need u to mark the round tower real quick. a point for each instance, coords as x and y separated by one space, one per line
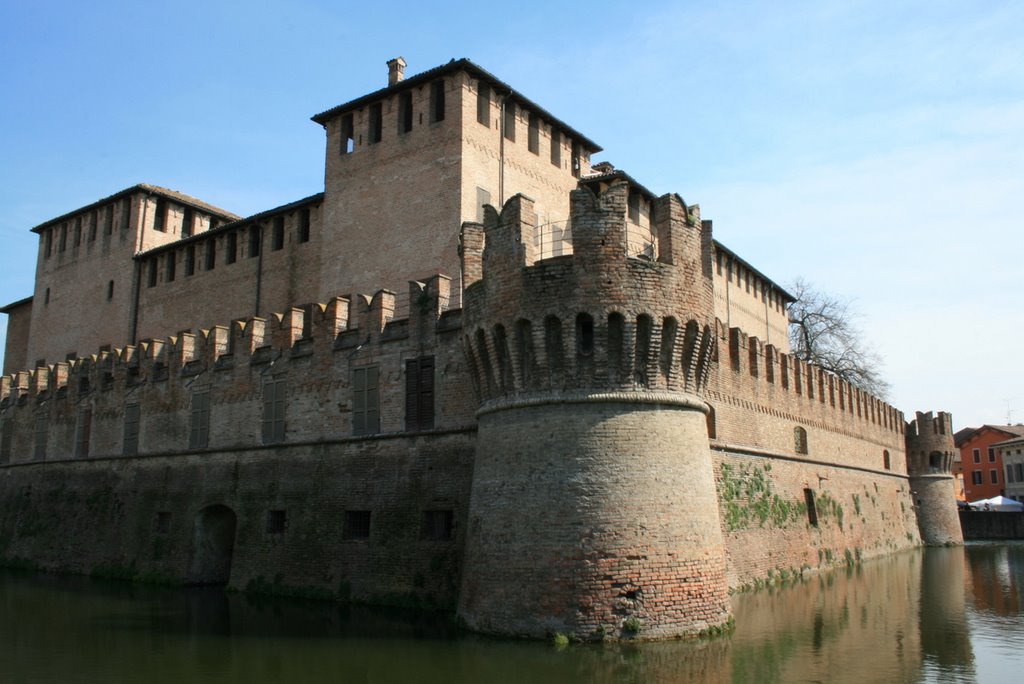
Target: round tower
930 452
593 509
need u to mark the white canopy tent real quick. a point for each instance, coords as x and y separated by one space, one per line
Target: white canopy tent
997 503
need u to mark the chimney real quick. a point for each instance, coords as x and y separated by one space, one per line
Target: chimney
396 70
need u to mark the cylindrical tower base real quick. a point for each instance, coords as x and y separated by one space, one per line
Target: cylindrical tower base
595 516
937 517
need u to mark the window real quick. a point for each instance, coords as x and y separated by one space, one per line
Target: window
437 525
110 290
437 101
304 225
49 243
405 112
278 239
885 460
356 525
633 205
277 522
800 440
126 213
78 231
83 432
231 253
108 219
1009 473
533 134
199 423
93 222
46 297
152 272
42 431
812 509
160 216
556 147
991 455
6 440
419 394
977 455
365 401
255 238
710 420
211 253
214 223
994 476
131 430
273 410
162 522
376 123
1019 471
935 462
483 104
63 244
348 139
170 266
577 167
482 197
977 477
508 125
190 260
186 222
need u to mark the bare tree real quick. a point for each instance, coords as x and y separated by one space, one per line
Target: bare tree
823 330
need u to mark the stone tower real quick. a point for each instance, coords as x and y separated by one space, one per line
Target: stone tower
930 451
593 508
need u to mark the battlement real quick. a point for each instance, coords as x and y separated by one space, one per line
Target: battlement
930 444
315 349
597 317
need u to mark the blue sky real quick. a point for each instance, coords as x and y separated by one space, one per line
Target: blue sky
875 149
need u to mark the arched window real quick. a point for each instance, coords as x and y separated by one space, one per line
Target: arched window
799 440
712 428
885 460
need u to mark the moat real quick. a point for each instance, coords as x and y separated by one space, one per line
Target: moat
937 615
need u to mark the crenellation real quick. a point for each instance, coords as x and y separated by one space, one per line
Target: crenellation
599 353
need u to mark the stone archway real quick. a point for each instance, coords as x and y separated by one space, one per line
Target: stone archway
213 544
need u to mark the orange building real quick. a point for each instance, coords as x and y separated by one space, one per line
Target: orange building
982 465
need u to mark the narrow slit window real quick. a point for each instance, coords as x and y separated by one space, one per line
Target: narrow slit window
304 221
556 147
405 112
533 134
255 241
211 254
509 122
278 242
812 509
483 104
231 252
376 123
170 266
437 101
190 260
130 442
273 410
42 431
348 136
199 422
152 267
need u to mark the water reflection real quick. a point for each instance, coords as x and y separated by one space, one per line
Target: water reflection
940 615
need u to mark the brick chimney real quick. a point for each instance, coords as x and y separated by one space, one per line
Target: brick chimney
396 70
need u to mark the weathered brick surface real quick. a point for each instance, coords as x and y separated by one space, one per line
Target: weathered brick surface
645 442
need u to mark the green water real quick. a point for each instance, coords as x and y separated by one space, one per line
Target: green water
941 615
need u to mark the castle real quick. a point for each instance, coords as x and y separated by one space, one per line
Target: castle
474 373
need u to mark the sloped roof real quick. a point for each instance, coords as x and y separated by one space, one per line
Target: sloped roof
224 228
961 437
179 197
453 66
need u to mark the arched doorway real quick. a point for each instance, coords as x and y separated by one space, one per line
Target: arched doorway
213 542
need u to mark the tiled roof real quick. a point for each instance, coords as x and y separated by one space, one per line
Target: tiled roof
452 67
151 189
312 199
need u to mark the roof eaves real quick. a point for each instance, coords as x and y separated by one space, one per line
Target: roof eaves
141 187
452 66
14 305
234 225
